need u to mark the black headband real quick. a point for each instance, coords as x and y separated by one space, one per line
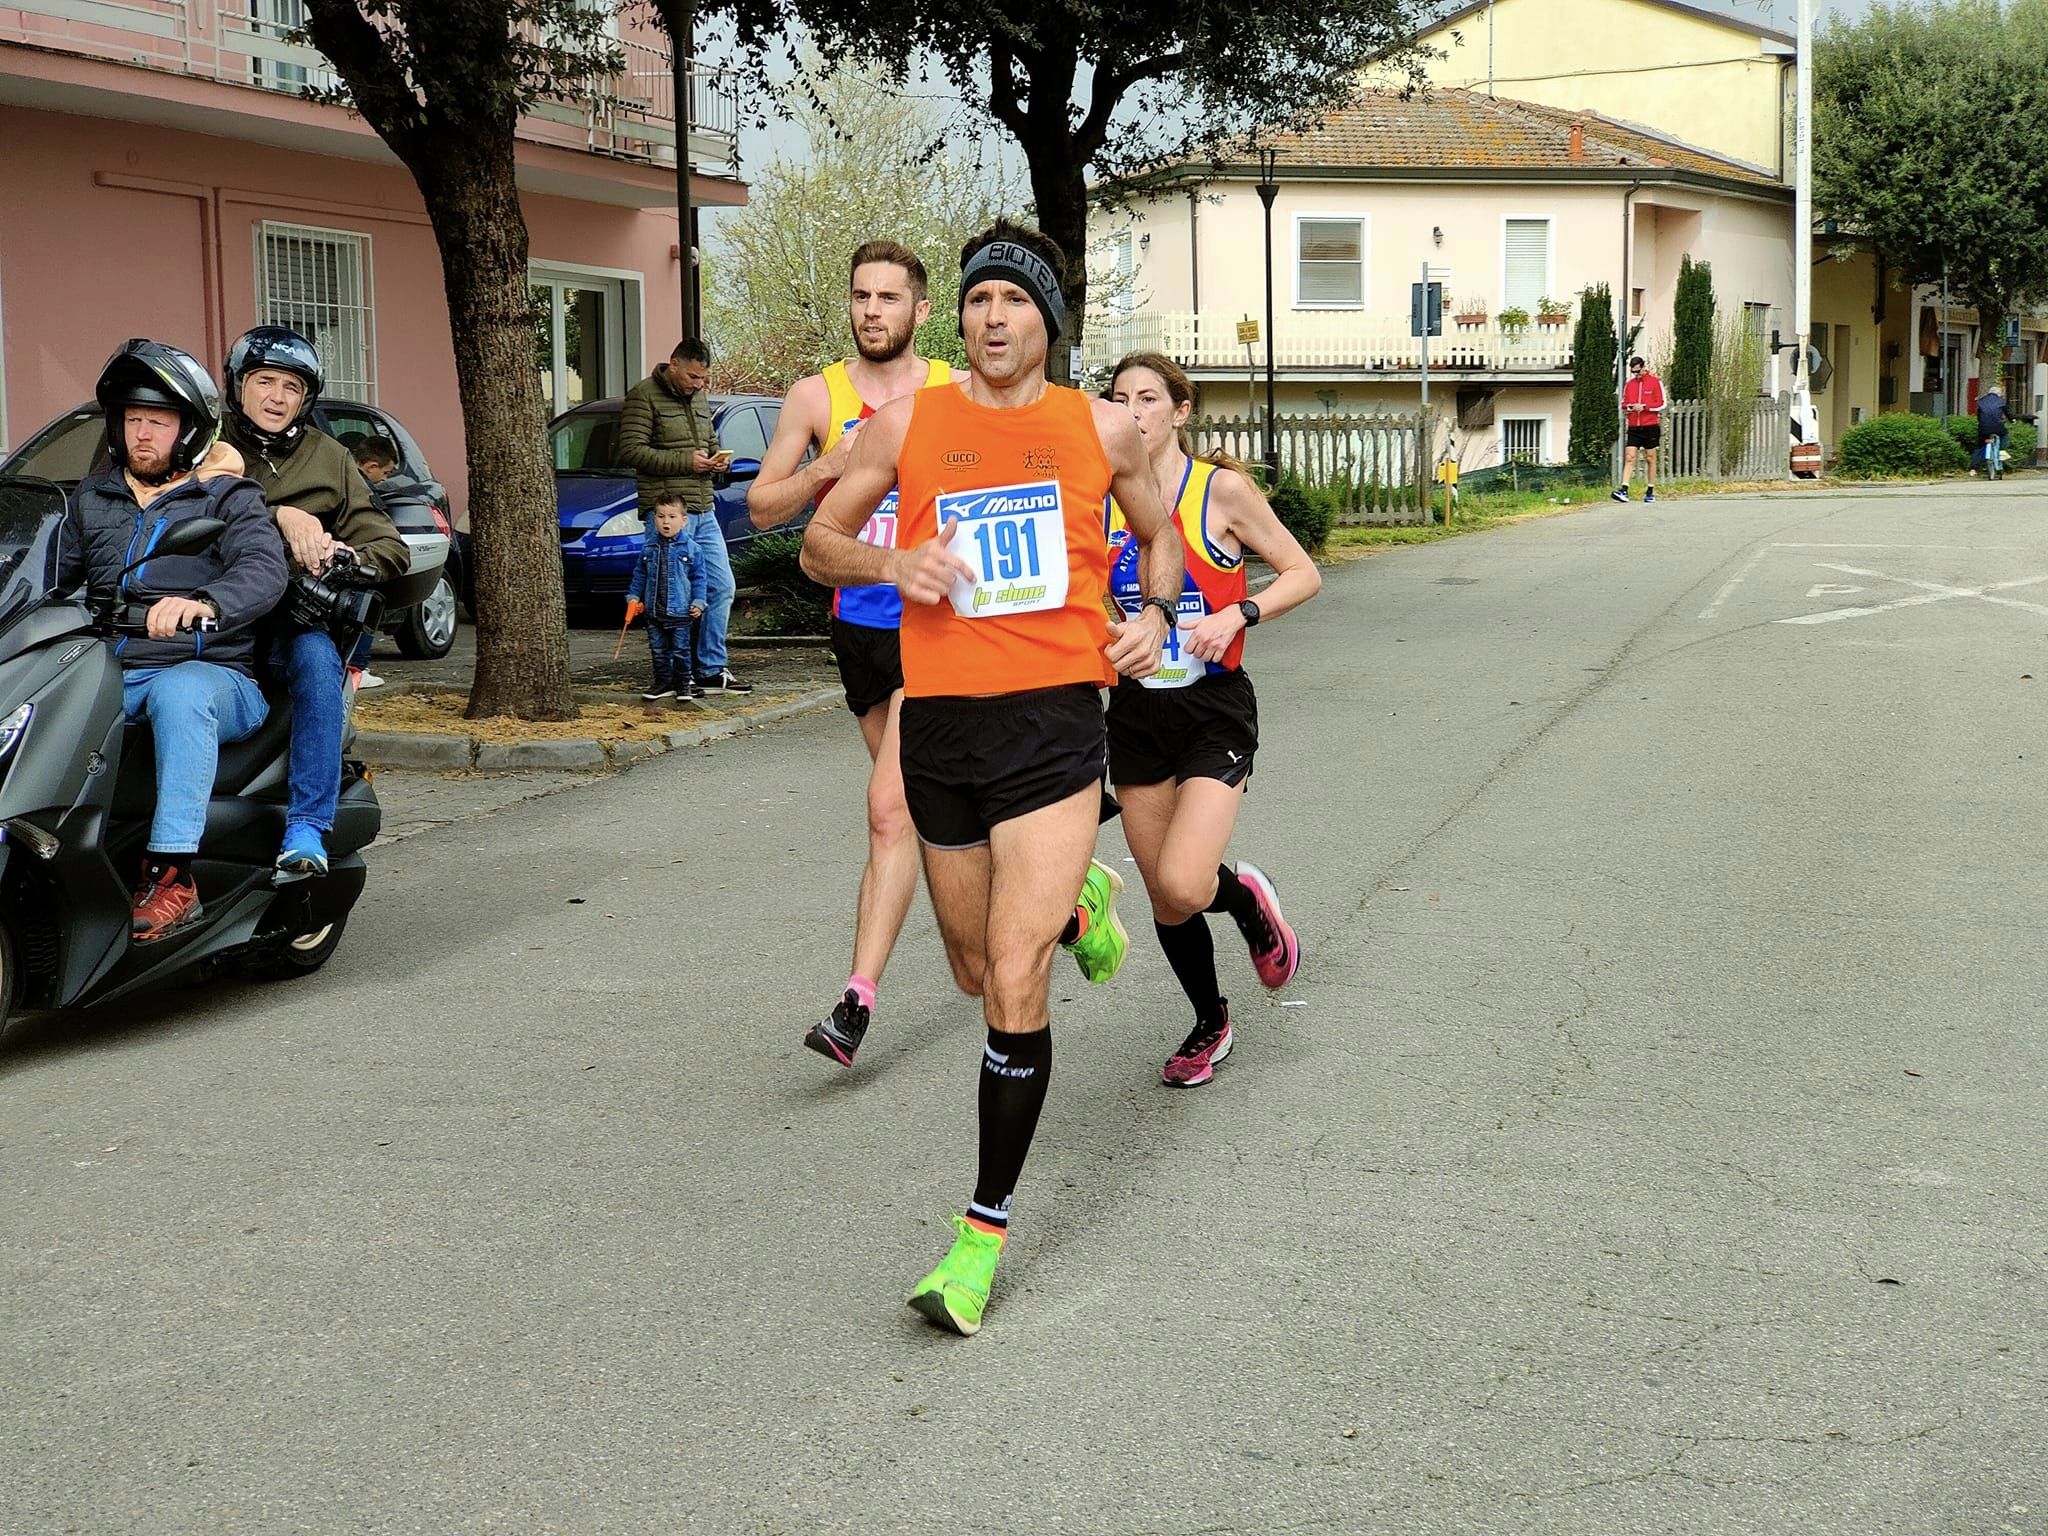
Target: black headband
1008 261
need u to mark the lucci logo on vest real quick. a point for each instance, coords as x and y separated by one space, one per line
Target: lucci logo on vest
960 458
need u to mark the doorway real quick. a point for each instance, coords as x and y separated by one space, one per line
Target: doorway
581 333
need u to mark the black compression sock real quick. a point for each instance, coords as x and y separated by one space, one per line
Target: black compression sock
1235 897
1014 1073
1192 954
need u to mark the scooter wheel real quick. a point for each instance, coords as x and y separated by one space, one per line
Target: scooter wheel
10 982
303 954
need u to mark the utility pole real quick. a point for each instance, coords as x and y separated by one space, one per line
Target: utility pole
1268 190
1805 418
679 20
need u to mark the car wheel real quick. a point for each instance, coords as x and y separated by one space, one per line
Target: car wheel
10 983
428 632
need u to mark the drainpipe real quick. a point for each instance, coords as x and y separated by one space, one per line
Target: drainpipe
1195 264
1621 331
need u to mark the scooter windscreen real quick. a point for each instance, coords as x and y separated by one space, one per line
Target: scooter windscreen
31 527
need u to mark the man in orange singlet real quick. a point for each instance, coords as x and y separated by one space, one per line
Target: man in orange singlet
1002 567
886 304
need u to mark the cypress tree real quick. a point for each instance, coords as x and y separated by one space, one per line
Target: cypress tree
1596 422
1692 315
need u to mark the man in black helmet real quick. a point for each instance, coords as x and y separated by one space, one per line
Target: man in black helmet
197 690
321 502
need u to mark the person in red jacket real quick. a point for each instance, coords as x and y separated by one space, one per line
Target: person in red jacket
1642 410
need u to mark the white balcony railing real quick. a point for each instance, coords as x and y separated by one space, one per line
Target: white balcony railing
248 42
1328 340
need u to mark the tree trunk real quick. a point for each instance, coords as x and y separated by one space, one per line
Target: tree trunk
522 646
1059 187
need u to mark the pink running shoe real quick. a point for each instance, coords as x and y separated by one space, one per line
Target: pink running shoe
1274 951
1195 1062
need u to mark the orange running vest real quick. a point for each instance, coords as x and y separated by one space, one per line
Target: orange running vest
1023 490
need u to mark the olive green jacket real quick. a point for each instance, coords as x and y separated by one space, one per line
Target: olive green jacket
319 476
658 430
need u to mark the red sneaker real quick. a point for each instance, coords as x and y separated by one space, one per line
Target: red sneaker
1195 1062
166 901
1275 954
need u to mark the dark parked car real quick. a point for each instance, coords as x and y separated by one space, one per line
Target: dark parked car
600 512
74 445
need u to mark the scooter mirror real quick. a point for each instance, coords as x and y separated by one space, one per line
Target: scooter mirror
183 538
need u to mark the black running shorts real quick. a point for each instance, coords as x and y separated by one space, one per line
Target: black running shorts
971 763
870 663
1644 437
1207 730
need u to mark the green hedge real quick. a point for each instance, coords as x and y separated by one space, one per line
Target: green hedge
2020 441
1899 444
1308 512
786 601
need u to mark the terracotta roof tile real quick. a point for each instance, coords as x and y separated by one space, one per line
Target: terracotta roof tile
1453 128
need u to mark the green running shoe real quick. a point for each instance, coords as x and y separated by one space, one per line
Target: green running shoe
1100 951
953 1295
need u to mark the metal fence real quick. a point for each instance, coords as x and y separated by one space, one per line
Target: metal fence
1749 440
1376 464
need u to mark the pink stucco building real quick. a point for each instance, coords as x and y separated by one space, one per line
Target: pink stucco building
162 174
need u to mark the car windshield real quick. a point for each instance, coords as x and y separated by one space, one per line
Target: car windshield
586 443
31 523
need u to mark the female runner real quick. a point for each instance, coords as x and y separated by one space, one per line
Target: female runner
1181 742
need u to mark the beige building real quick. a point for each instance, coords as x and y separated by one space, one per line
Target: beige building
1514 207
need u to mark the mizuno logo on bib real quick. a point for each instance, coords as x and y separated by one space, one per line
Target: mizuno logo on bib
1015 539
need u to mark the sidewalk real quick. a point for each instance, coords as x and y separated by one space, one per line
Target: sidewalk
414 721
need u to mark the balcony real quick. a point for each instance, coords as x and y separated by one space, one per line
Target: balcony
630 117
1336 345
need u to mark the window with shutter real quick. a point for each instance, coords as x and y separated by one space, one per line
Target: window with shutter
1330 262
1526 270
317 281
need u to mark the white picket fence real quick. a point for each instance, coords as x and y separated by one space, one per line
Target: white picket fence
1375 463
1330 339
1754 443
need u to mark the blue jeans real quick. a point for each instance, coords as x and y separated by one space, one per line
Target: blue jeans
707 543
192 708
311 666
668 642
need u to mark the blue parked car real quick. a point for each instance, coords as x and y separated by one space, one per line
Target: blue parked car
600 510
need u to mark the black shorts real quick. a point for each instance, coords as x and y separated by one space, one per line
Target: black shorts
970 763
870 663
1645 437
1208 730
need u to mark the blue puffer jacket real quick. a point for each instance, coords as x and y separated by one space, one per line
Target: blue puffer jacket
242 572
667 579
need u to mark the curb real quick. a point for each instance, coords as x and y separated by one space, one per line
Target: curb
442 753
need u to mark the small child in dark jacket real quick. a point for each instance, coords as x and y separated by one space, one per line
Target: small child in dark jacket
673 588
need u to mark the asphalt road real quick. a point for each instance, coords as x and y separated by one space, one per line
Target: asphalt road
1656 1144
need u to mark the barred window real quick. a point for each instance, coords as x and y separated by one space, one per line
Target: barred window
317 281
1521 439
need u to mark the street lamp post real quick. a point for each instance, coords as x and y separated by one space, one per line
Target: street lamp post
1268 190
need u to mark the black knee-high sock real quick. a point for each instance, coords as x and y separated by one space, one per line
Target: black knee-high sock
1014 1072
1235 897
1192 954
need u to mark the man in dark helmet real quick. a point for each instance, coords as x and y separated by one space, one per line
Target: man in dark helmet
197 690
321 502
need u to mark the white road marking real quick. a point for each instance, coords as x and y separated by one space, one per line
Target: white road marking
1728 591
1831 589
1929 592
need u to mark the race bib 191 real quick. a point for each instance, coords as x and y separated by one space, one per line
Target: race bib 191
1014 537
1178 666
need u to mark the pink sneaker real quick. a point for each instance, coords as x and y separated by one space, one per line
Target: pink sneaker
1274 953
1195 1062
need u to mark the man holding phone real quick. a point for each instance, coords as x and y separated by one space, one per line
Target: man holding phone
667 438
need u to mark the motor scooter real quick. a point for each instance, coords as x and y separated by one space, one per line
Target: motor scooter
78 785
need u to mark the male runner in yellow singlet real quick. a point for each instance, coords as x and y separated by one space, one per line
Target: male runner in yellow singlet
1003 569
886 304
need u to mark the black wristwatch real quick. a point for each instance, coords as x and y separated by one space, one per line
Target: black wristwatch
1163 606
1250 610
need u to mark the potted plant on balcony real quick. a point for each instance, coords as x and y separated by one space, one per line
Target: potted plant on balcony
1469 312
1553 311
1513 321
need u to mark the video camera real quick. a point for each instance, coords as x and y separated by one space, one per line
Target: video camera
338 600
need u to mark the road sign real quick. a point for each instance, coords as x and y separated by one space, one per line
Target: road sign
1430 323
1247 332
2012 330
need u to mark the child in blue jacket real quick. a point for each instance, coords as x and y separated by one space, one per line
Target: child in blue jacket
673 588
